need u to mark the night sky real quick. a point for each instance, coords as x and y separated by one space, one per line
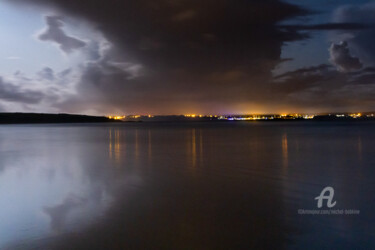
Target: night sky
187 56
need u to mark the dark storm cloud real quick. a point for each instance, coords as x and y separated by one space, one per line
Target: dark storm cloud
175 56
323 75
188 33
304 79
13 93
325 26
324 88
209 56
350 84
340 57
360 41
55 33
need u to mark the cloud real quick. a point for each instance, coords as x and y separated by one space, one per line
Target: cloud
65 73
41 92
56 34
13 58
360 41
91 84
47 74
326 26
14 93
184 15
165 56
341 58
209 57
322 88
131 70
59 214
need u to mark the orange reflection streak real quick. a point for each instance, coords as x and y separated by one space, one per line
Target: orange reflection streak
110 144
117 145
285 151
194 148
200 148
136 147
359 148
149 145
114 145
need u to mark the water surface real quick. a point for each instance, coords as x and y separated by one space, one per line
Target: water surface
185 185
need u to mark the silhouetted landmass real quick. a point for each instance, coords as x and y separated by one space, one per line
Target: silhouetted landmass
19 118
244 118
173 118
346 118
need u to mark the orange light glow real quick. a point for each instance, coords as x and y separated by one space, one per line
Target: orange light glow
116 117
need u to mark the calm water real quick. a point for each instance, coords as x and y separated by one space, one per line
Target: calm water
185 186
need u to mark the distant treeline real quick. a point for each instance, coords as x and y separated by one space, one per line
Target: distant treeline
346 118
182 118
12 118
19 118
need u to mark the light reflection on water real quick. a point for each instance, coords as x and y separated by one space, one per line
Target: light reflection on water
198 185
285 151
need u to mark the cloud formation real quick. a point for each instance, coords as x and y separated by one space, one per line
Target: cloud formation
325 89
341 58
47 73
59 213
55 33
166 57
41 92
173 57
13 93
360 41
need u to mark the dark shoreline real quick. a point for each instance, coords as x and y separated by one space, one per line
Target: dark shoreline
37 118
42 118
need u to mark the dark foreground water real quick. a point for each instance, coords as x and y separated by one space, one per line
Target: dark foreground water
186 186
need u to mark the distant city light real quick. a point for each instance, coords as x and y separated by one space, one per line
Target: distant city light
117 117
249 117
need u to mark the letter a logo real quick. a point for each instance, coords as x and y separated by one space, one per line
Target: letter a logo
328 197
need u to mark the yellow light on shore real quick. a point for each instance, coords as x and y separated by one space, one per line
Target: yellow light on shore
191 115
116 117
355 115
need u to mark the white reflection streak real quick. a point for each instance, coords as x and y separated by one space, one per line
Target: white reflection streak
359 148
